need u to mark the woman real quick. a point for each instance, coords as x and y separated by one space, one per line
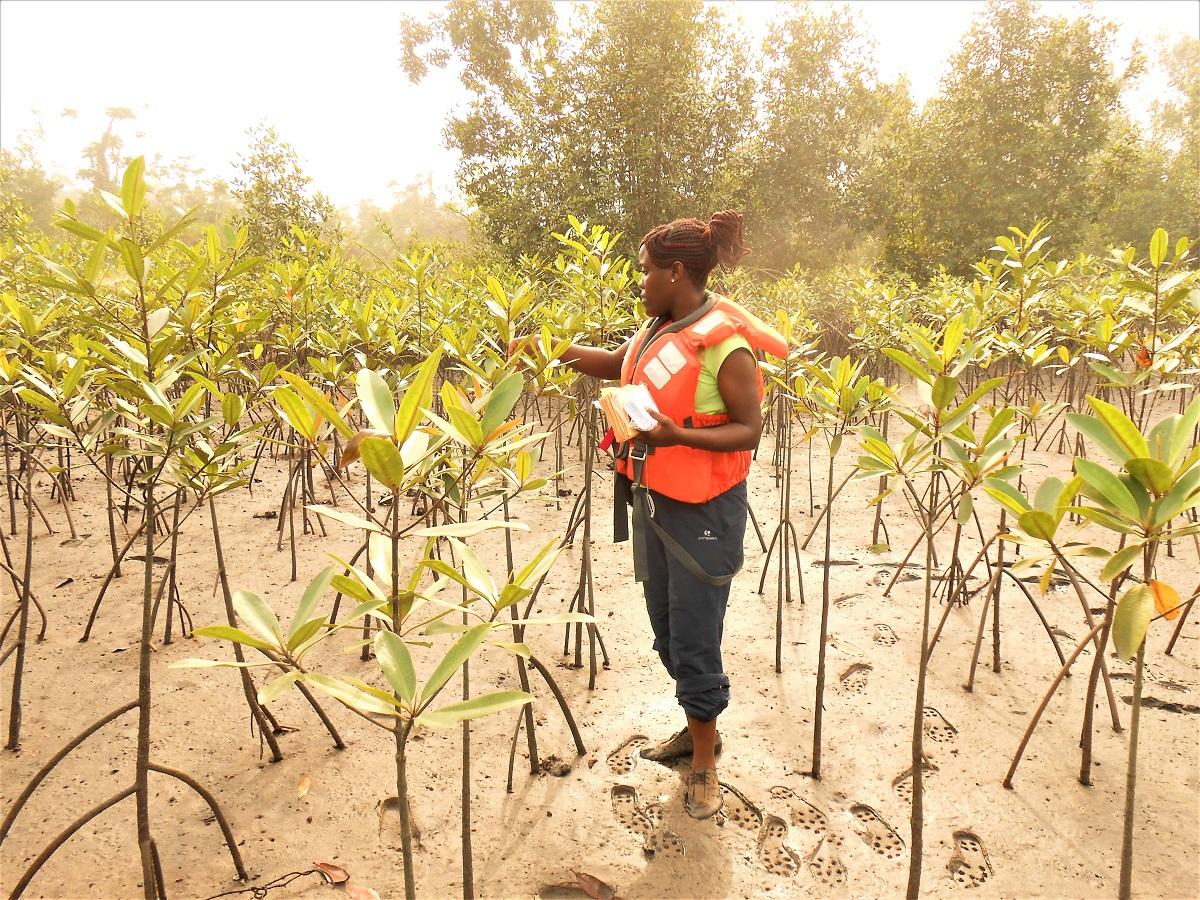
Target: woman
696 356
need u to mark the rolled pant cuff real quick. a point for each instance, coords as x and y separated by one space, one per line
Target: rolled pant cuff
703 697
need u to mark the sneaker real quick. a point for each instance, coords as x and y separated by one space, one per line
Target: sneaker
674 747
703 794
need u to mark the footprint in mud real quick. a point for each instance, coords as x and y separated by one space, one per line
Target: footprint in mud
630 814
775 855
825 863
802 813
876 833
936 726
662 841
969 865
738 809
854 679
622 760
884 634
902 784
843 646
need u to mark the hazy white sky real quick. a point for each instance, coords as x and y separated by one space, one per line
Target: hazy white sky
326 75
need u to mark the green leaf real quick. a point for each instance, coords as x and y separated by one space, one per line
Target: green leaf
1131 619
1038 524
1120 561
1047 495
483 705
232 408
1182 438
476 573
1007 495
944 389
294 412
521 650
312 596
192 663
1121 427
273 689
375 397
467 529
349 695
500 402
229 633
133 187
1158 247
318 402
131 257
905 361
1094 430
397 664
1109 486
255 612
966 506
352 587
305 632
416 397
1154 475
1181 497
81 229
458 654
382 460
346 518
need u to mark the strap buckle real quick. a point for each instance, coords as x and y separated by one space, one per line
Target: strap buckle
637 451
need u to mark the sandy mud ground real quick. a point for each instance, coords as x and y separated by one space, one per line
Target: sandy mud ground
782 833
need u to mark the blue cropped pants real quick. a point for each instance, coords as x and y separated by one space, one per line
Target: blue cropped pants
687 614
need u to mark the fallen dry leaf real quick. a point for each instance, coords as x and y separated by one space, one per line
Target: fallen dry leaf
334 873
357 892
1166 599
302 786
594 886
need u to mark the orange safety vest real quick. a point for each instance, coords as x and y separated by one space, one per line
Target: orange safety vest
667 362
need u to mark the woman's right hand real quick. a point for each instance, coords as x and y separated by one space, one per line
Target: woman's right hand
519 345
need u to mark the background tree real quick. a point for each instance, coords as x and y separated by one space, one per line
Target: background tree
1177 128
104 158
415 216
628 116
25 184
1028 100
821 110
274 193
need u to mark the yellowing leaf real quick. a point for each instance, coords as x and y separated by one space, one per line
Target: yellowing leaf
1131 620
1166 599
302 786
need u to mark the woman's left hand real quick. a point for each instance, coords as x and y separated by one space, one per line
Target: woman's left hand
665 434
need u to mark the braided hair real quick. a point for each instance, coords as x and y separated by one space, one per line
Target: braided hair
699 247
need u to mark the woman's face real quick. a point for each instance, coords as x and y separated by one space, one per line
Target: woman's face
656 285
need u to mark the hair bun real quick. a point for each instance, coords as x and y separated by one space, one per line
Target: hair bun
724 230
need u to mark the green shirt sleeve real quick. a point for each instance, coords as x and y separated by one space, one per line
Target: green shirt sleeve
708 397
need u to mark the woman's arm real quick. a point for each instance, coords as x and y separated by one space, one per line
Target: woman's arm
593 361
737 382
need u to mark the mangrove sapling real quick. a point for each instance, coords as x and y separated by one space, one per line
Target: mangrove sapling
407 703
784 535
159 431
840 397
14 713
461 452
943 358
1159 484
971 459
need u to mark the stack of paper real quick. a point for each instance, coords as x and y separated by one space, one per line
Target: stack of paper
627 409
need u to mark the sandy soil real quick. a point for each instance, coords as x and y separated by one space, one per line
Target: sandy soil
1048 837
